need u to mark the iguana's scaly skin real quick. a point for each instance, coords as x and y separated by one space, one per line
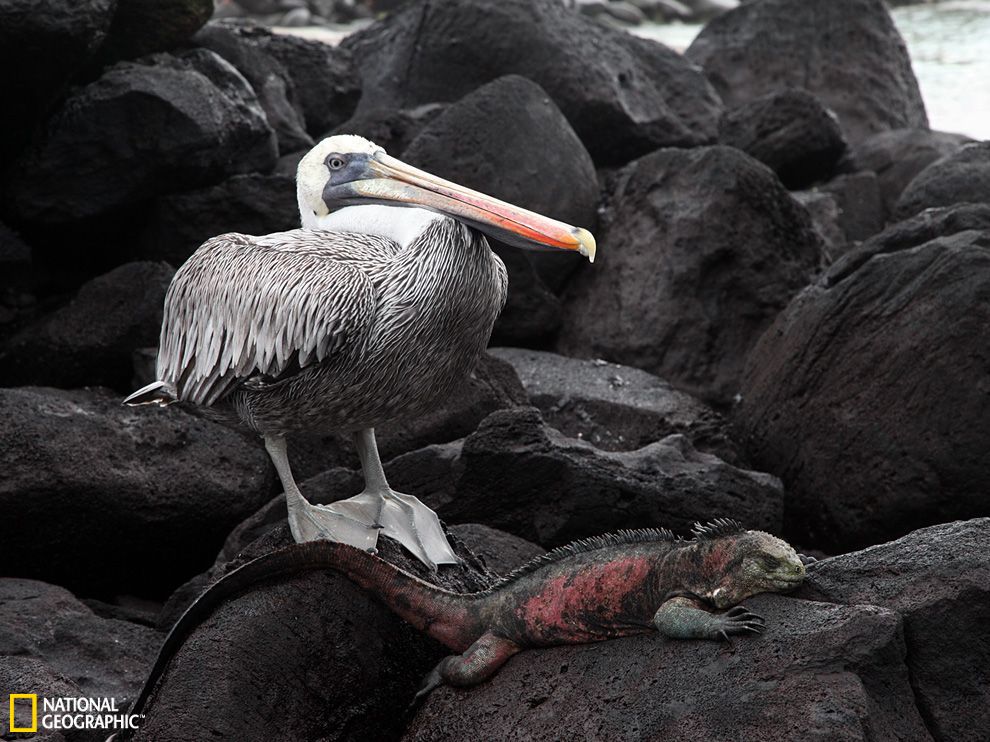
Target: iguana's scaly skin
632 582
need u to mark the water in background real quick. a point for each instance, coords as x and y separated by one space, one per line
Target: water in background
949 44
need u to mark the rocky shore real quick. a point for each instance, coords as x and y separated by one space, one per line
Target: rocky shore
787 325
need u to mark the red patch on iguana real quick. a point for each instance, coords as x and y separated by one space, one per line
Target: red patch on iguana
588 604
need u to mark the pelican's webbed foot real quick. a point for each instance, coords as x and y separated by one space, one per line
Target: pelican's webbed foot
401 517
309 522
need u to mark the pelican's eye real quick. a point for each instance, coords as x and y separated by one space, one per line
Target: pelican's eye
335 162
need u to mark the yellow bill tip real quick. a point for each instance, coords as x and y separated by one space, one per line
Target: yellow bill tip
586 243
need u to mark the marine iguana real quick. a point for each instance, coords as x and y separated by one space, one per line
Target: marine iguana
621 584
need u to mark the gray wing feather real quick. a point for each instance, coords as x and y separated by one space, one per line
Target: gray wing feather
247 305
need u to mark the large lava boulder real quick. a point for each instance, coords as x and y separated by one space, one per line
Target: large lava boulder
867 395
613 407
42 45
518 475
623 95
54 645
938 579
142 27
164 124
509 140
305 657
820 672
790 132
897 156
960 177
249 204
101 497
701 249
90 340
848 53
239 45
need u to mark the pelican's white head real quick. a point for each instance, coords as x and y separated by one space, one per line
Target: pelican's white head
347 170
313 173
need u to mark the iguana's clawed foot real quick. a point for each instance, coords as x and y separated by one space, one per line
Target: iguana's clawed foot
806 560
739 620
432 681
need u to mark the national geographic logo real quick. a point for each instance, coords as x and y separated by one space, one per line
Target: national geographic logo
67 714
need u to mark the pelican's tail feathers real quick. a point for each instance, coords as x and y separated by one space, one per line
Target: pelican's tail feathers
157 392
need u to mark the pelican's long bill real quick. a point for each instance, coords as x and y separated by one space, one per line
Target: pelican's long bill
393 181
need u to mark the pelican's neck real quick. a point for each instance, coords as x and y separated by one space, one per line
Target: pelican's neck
401 224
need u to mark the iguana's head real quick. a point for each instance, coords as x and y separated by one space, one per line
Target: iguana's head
739 564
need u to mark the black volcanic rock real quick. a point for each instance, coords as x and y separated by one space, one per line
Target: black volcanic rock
615 408
938 579
522 477
90 340
821 672
898 156
101 497
250 204
392 129
866 396
509 140
790 132
41 47
243 46
960 177
142 27
623 95
167 123
860 201
307 657
67 650
701 249
848 53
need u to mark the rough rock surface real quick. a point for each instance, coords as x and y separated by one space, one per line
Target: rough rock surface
522 477
501 552
919 229
848 53
700 250
308 657
249 204
960 177
238 44
100 497
821 672
823 208
898 156
390 128
509 140
199 123
938 579
142 27
89 341
860 200
46 47
868 394
47 625
790 132
623 95
616 408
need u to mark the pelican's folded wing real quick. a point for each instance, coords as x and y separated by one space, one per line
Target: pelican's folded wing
243 306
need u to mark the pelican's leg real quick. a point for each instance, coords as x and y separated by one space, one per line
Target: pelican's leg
311 522
402 517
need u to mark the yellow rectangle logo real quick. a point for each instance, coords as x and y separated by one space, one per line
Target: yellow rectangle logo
34 712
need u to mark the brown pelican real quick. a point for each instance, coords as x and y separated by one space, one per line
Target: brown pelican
375 309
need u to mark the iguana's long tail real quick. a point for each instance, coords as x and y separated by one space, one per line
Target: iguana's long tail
444 615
